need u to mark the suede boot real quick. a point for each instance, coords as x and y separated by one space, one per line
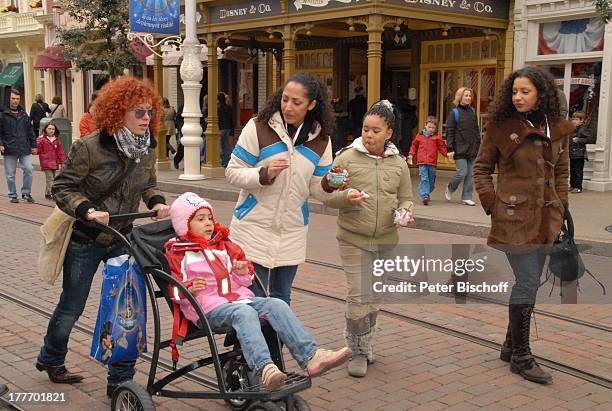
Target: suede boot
522 361
358 336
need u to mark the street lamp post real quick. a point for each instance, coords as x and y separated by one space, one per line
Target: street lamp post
191 75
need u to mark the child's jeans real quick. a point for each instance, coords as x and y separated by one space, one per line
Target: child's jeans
576 171
244 318
49 177
428 180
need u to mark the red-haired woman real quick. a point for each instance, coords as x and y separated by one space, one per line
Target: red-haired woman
107 173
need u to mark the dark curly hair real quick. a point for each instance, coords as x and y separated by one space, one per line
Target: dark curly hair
548 96
119 96
322 113
390 113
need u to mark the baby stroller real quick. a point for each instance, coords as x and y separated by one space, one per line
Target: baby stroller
235 383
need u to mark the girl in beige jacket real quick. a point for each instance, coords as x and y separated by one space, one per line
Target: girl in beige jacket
377 202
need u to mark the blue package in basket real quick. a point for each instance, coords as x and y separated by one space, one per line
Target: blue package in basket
120 333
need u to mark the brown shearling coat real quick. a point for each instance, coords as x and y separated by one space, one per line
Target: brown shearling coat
528 204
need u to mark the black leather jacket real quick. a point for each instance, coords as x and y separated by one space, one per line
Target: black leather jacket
16 133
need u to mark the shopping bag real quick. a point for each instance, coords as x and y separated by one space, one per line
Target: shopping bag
120 332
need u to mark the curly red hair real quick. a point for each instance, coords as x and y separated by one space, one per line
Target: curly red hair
118 97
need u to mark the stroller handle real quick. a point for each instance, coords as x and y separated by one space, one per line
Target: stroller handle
128 216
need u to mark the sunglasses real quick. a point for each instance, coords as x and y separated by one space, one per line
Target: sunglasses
140 112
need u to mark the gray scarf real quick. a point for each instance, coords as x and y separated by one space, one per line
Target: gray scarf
131 145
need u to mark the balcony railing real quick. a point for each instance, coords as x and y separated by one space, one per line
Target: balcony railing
16 23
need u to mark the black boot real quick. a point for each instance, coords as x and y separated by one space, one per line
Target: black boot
522 361
506 348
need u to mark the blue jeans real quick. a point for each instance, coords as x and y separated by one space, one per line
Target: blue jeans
226 152
80 265
527 270
277 281
464 172
244 318
10 170
428 180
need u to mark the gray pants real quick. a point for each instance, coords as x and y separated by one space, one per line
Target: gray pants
49 177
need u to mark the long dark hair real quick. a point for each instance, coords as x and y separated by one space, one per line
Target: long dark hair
548 96
322 113
390 113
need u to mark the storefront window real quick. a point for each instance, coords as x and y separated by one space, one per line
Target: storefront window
571 36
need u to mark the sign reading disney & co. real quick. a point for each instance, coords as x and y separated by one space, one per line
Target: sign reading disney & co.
244 11
493 9
301 6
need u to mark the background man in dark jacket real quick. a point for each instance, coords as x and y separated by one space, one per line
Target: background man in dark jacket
357 108
226 127
17 144
38 111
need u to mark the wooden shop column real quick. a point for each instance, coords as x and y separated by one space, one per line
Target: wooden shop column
289 57
375 29
158 80
212 167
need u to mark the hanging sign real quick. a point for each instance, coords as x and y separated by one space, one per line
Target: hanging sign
493 9
301 6
154 16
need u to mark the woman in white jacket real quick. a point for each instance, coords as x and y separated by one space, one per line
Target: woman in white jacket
280 159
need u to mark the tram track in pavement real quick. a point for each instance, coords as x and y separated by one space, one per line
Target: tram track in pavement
209 382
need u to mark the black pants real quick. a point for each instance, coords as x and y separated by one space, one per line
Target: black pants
180 153
169 148
576 168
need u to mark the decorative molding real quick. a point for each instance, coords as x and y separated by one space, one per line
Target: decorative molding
149 41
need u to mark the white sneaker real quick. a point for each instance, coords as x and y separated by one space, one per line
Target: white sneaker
468 202
447 194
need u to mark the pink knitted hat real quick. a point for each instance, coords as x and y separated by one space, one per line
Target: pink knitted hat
183 208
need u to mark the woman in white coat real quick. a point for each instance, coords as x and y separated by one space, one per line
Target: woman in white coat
280 159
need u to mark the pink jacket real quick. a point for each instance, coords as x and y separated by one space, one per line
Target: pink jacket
50 154
187 261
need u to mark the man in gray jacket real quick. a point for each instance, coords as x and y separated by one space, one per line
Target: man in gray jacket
17 144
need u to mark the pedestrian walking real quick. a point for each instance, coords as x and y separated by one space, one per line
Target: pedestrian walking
279 161
109 172
357 108
226 127
50 154
426 146
462 140
218 275
87 125
526 140
579 138
38 111
367 226
168 118
17 144
56 108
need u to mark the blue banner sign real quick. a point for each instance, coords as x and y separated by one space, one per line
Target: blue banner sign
154 16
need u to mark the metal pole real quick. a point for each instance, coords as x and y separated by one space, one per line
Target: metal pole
191 75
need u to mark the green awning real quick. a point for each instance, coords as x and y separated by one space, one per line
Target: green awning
12 75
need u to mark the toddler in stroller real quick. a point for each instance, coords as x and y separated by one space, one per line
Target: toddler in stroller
214 270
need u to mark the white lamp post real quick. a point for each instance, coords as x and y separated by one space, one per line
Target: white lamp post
191 75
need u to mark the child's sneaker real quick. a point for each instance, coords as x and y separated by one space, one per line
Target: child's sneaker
324 360
426 201
271 377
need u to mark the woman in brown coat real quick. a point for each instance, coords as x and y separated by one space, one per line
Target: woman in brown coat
527 139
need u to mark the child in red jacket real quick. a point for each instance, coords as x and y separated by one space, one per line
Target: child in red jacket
50 154
426 146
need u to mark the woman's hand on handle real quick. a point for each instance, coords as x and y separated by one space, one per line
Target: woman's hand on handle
98 216
163 211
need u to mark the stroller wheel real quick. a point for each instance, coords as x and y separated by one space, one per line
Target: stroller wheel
236 375
265 406
130 396
299 403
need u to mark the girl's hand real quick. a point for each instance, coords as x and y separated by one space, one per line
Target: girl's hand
197 285
276 166
240 267
403 217
356 197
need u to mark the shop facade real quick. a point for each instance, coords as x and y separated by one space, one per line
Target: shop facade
566 38
416 51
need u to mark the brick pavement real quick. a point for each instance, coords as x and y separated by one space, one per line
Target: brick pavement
416 368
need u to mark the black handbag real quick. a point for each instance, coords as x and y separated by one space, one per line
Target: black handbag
565 262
